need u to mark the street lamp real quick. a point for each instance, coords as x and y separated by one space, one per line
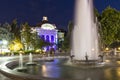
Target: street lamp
107 49
119 48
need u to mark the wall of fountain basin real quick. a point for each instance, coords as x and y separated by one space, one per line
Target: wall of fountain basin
11 69
48 69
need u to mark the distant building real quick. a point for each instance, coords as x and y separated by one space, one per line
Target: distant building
50 33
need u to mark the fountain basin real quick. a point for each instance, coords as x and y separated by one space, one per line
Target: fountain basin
56 70
21 69
6 69
31 63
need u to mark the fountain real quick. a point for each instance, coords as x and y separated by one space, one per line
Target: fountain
31 60
84 35
84 49
20 61
48 58
21 67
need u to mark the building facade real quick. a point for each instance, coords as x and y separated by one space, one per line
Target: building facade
48 32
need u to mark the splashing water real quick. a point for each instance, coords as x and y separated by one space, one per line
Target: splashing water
20 60
84 35
30 57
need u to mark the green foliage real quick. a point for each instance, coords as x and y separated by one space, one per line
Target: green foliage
115 44
30 38
110 26
70 27
96 13
29 51
15 29
37 42
5 33
26 35
67 40
66 43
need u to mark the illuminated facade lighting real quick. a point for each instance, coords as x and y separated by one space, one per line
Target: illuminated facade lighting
48 32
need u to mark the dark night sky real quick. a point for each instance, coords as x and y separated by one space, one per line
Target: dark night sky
59 12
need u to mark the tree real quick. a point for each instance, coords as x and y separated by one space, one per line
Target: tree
15 29
110 26
36 41
66 45
15 45
26 35
30 38
5 34
96 12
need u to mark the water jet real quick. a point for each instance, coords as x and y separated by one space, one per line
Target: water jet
21 68
85 34
30 60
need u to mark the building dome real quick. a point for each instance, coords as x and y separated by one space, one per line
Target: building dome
48 26
45 24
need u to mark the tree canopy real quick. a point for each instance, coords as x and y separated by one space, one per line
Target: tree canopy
67 40
110 26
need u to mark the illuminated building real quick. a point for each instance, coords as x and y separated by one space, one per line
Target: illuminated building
49 33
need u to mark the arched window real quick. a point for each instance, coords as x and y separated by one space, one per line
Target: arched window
52 39
42 37
47 38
